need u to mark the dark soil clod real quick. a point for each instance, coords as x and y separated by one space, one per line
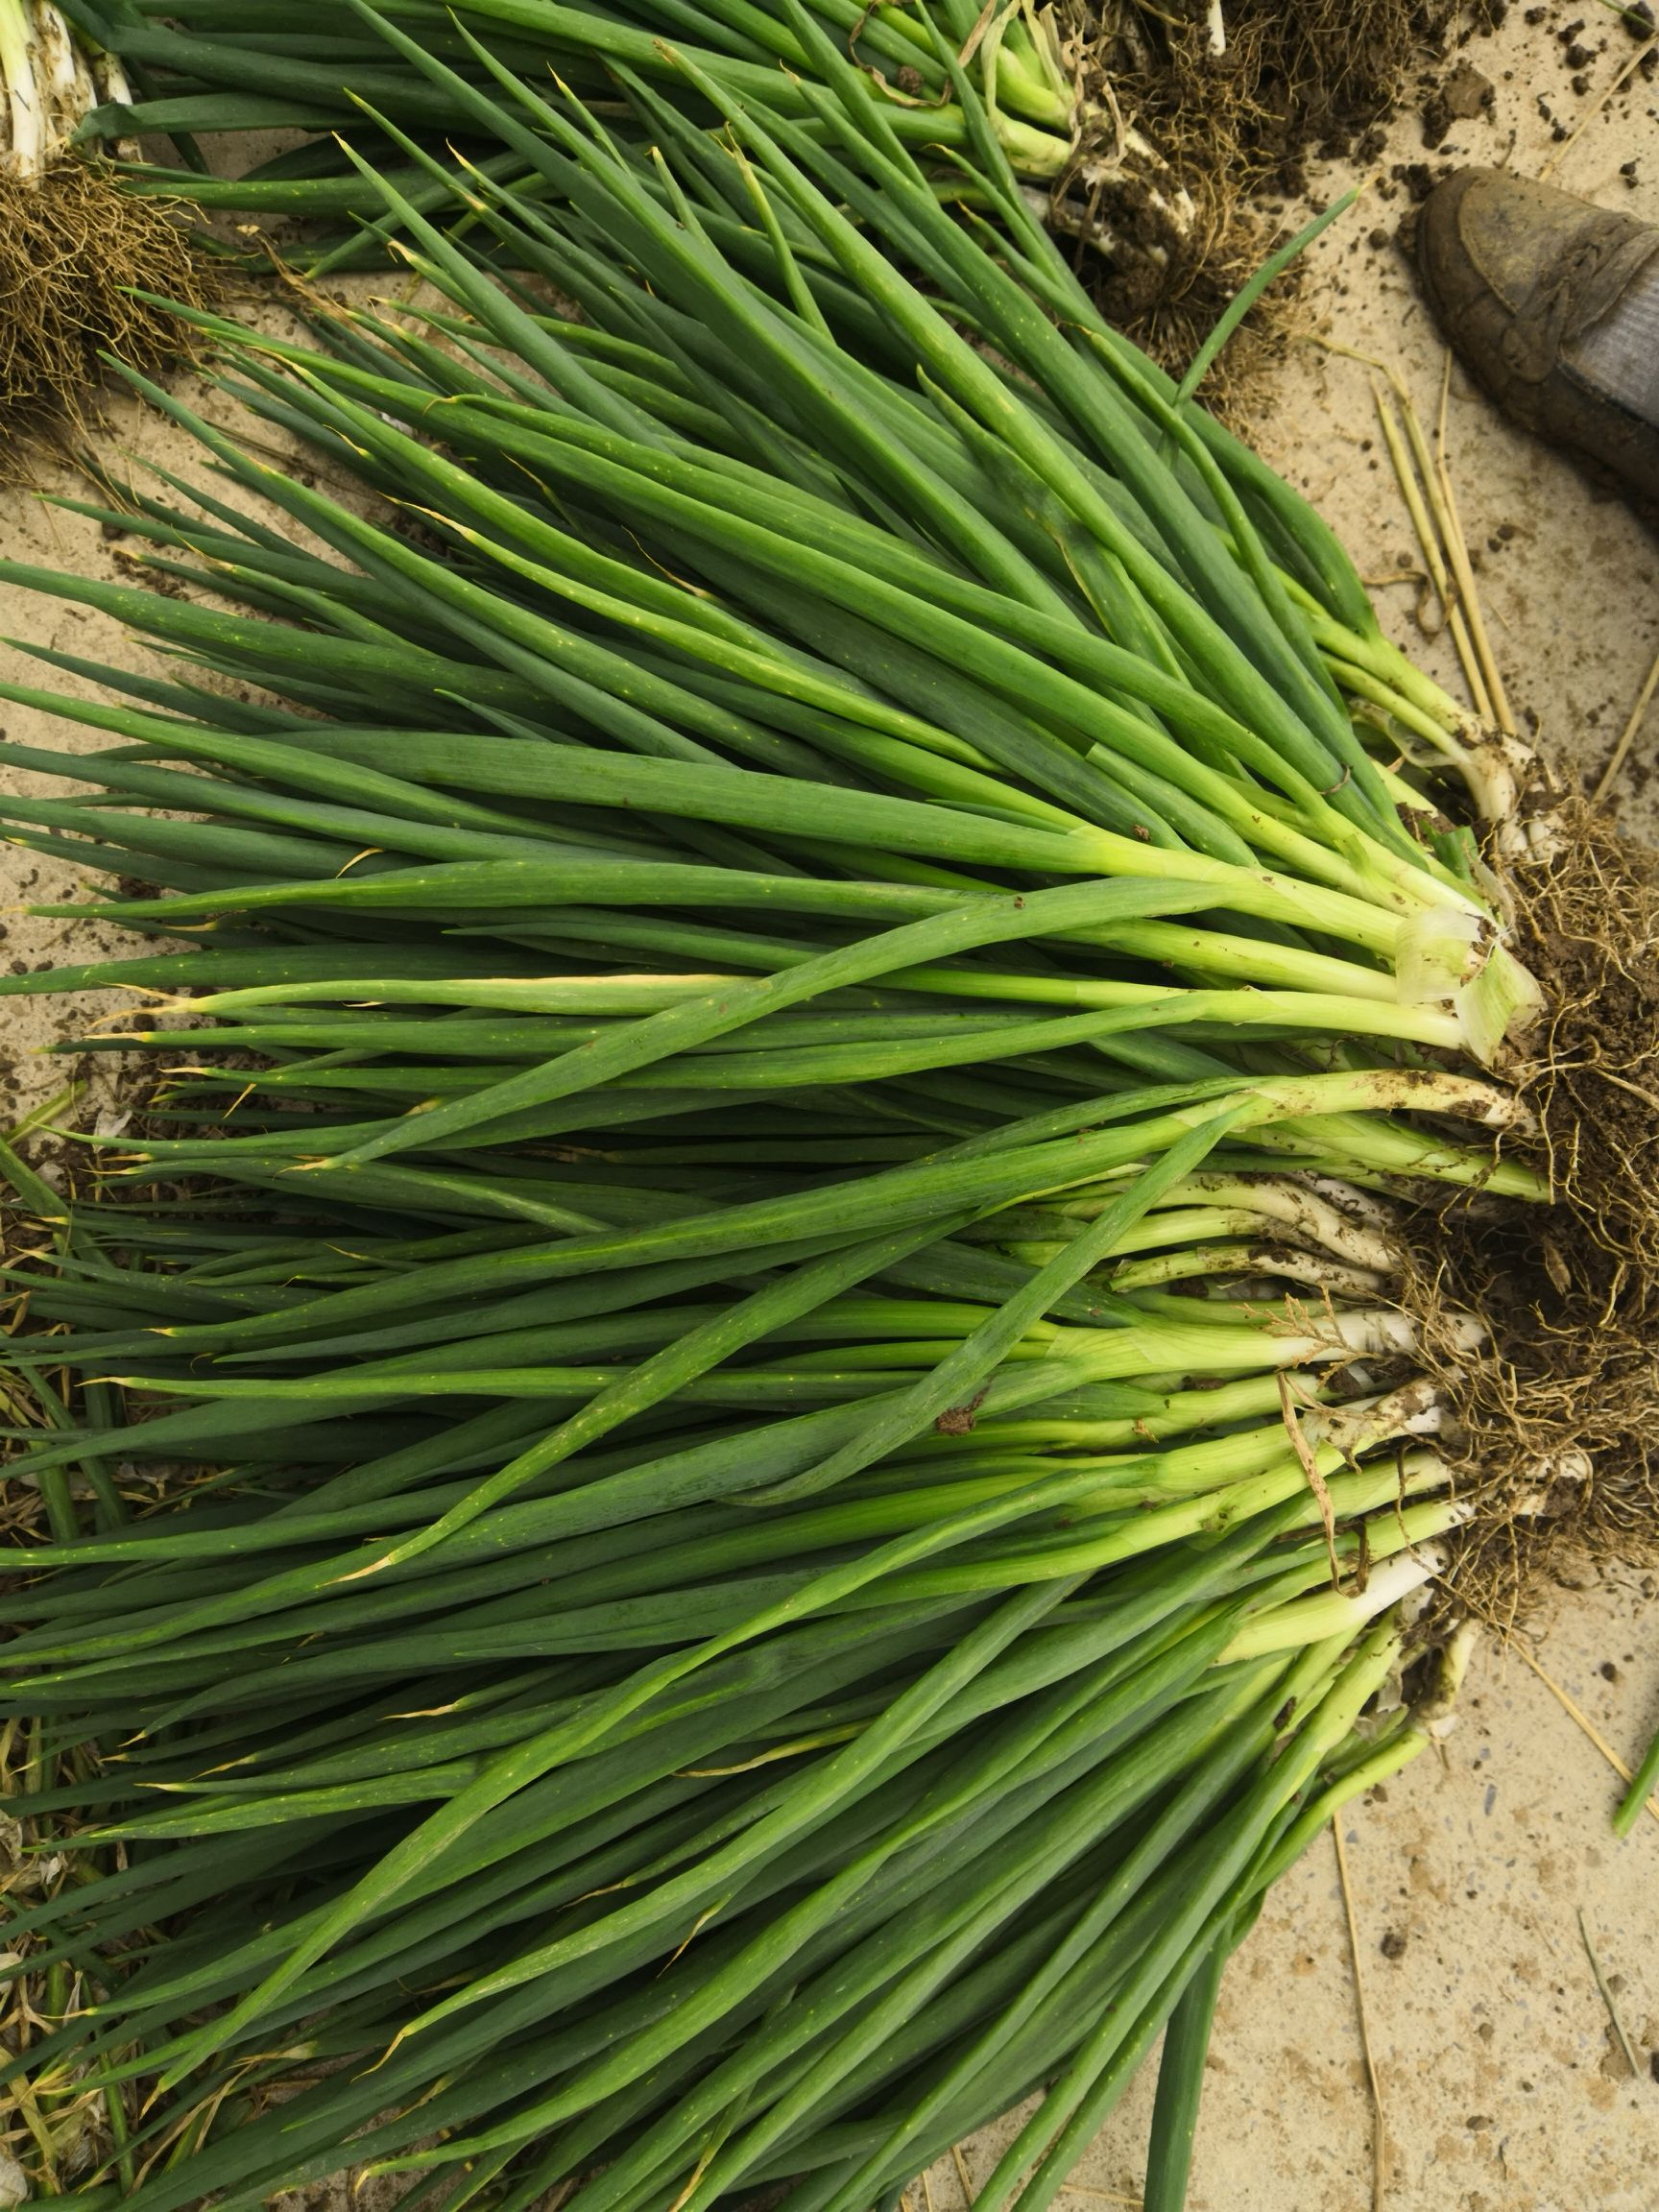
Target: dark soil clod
1299 78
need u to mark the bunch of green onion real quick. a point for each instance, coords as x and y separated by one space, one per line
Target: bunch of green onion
825 941
242 65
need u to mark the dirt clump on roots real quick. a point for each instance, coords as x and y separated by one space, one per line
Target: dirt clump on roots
1557 1438
74 247
1297 79
1187 144
1555 1442
1588 928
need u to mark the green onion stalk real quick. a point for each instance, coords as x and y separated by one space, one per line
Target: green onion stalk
740 1448
308 66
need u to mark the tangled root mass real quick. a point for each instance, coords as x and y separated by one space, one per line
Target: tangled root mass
72 247
1560 1421
1588 928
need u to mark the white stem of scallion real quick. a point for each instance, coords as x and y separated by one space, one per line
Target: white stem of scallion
24 155
1310 1619
1417 1409
66 83
48 86
114 89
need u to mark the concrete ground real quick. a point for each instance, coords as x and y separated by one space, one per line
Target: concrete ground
1483 1876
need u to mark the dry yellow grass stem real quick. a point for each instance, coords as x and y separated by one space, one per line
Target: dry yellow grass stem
1576 1714
1628 735
1379 2118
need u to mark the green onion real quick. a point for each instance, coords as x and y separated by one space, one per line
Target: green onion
1641 1789
211 66
823 958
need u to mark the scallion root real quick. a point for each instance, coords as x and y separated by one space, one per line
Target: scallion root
75 247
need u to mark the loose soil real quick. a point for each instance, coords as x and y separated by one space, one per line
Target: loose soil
1298 80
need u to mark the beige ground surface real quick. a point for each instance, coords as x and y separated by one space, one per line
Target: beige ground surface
1474 1884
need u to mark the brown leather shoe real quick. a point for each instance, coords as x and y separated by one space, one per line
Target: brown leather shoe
1553 305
